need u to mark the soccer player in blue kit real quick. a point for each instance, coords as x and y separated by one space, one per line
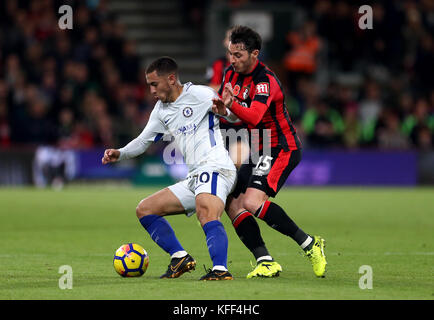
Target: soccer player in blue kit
185 112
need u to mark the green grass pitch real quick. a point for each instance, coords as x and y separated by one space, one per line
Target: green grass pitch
388 229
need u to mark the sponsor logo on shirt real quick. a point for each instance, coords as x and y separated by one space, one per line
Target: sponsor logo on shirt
188 129
236 90
263 88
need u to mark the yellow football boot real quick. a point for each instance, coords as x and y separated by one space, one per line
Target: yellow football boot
266 269
317 256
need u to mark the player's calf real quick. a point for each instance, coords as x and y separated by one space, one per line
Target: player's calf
209 209
150 212
277 218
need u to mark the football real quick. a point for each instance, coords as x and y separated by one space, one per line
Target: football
131 260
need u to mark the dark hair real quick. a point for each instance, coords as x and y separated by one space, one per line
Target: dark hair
249 37
163 66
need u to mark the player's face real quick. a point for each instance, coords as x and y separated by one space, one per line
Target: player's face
159 86
242 60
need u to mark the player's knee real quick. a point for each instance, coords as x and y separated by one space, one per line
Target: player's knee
143 209
232 210
251 204
202 210
205 214
205 218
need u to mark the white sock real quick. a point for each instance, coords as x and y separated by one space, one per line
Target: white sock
270 258
219 268
179 254
306 242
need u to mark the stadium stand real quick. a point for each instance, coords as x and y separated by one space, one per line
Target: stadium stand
85 88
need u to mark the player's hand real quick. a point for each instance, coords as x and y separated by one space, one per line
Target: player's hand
110 155
218 107
228 95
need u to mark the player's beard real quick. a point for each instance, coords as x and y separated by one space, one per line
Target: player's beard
165 96
245 67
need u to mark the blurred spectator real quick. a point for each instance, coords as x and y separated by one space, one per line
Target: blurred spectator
422 138
389 134
424 65
5 130
338 28
215 72
352 131
371 105
300 60
405 105
130 63
419 124
369 110
37 128
53 166
323 126
194 12
130 124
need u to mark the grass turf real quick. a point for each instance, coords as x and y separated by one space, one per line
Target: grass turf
390 230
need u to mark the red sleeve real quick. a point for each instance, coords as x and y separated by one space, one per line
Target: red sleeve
260 103
253 115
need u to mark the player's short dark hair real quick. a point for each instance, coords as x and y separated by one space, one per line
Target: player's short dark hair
163 66
247 36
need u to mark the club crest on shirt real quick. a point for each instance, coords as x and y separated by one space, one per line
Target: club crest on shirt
187 112
246 91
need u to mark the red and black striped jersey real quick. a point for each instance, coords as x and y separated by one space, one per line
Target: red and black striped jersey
260 103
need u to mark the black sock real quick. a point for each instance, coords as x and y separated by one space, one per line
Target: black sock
277 218
249 233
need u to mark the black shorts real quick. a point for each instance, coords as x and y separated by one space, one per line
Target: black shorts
269 174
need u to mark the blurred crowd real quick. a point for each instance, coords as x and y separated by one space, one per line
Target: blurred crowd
85 87
380 88
349 87
76 88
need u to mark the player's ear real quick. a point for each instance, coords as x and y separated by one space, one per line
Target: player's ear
255 53
172 78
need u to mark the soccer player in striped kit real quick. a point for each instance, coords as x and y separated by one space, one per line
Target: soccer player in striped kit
252 92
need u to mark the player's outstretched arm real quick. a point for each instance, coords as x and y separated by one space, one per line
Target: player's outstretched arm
110 155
